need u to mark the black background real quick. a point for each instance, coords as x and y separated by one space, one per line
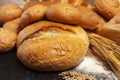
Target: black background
12 69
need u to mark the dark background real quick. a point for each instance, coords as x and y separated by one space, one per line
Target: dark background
12 69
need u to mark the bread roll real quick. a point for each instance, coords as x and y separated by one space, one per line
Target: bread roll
29 4
49 46
9 12
57 1
72 2
111 30
13 25
107 8
32 14
80 2
75 2
47 3
64 13
8 35
89 19
7 39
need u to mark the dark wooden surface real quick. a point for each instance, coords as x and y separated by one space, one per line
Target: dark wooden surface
12 69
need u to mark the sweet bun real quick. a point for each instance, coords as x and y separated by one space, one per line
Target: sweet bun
7 39
107 8
89 19
64 13
50 46
9 12
32 14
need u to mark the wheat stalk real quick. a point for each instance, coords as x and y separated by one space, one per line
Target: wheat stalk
107 50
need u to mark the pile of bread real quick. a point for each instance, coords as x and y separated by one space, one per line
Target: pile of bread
51 35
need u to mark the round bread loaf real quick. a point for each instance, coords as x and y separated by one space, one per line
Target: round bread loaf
49 46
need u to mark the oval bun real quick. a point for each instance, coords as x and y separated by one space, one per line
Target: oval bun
32 14
7 39
64 13
9 12
89 19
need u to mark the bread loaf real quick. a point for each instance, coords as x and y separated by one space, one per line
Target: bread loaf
9 12
13 25
49 46
29 4
32 14
89 19
8 35
64 13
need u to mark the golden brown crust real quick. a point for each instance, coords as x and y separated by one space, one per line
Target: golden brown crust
13 25
9 12
80 2
51 46
29 4
86 4
64 13
75 2
47 3
89 19
57 1
72 2
7 40
44 3
108 8
32 14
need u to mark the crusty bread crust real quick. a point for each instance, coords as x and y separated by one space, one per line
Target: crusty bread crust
9 12
89 19
49 46
64 13
32 14
7 39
